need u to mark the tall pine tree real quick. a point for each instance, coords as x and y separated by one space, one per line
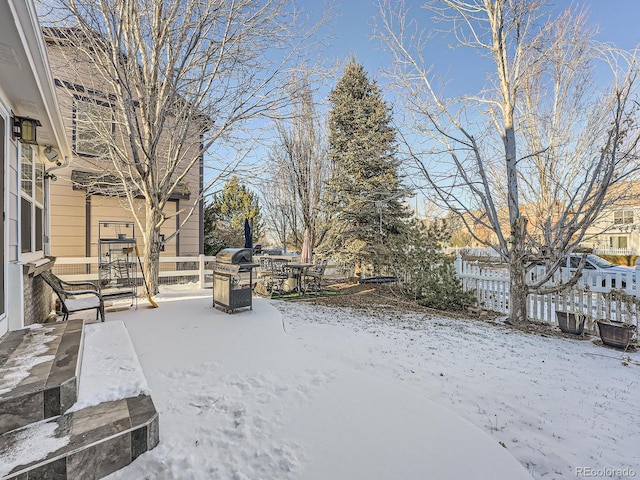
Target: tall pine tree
364 195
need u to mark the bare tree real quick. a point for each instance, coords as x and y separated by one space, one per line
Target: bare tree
280 215
300 154
181 76
534 155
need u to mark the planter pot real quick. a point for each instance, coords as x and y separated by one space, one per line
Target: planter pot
570 322
616 335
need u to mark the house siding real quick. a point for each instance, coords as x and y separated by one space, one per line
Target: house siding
26 90
73 215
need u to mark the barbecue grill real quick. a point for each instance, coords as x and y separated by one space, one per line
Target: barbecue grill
230 288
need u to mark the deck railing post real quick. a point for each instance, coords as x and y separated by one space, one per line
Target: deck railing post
201 270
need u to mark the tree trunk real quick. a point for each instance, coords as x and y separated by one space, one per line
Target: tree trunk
151 264
518 289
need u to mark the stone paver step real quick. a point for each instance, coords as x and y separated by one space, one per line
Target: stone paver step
86 444
40 369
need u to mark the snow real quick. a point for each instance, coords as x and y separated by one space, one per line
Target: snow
110 366
82 303
29 354
31 443
557 404
296 391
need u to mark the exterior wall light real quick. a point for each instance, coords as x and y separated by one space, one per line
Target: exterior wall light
24 129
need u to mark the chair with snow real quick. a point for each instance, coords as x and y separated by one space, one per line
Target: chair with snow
75 296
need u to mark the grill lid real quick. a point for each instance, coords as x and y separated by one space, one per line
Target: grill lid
234 256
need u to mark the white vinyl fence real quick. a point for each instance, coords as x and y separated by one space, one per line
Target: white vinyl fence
491 288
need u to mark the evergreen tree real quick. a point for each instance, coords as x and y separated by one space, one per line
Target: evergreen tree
224 217
428 275
364 195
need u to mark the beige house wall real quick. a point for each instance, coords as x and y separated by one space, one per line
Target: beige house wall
191 232
108 208
71 209
68 218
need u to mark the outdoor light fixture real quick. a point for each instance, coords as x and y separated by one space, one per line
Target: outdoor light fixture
24 129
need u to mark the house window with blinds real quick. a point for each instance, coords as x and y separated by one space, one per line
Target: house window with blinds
623 217
618 242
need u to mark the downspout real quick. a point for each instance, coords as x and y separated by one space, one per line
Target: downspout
50 177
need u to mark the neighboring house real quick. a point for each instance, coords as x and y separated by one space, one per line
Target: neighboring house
26 91
83 195
617 230
536 215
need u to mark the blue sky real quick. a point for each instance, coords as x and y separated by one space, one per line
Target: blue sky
617 19
353 27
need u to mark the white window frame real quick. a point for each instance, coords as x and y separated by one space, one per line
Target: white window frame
623 217
5 203
31 198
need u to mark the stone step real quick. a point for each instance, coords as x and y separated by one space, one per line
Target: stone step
86 444
40 369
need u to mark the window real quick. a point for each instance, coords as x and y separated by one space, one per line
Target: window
574 261
618 242
31 200
93 127
623 217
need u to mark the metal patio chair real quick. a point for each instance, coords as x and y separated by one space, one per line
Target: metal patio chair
279 276
312 277
75 296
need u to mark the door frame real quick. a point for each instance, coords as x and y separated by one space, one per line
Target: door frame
4 153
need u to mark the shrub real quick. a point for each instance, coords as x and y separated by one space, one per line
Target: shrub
427 273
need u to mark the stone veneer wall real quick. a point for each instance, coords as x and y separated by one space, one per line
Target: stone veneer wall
37 299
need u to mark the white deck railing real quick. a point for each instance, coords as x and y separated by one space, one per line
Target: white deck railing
173 270
613 251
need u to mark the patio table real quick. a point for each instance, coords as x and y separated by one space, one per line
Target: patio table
297 270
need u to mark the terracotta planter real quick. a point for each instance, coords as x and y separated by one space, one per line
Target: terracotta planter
570 322
616 335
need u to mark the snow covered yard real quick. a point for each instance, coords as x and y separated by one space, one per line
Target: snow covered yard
295 390
239 398
562 407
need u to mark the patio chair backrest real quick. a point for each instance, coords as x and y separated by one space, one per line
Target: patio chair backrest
266 265
280 267
55 283
319 268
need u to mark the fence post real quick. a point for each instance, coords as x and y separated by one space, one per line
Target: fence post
636 284
201 269
458 264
